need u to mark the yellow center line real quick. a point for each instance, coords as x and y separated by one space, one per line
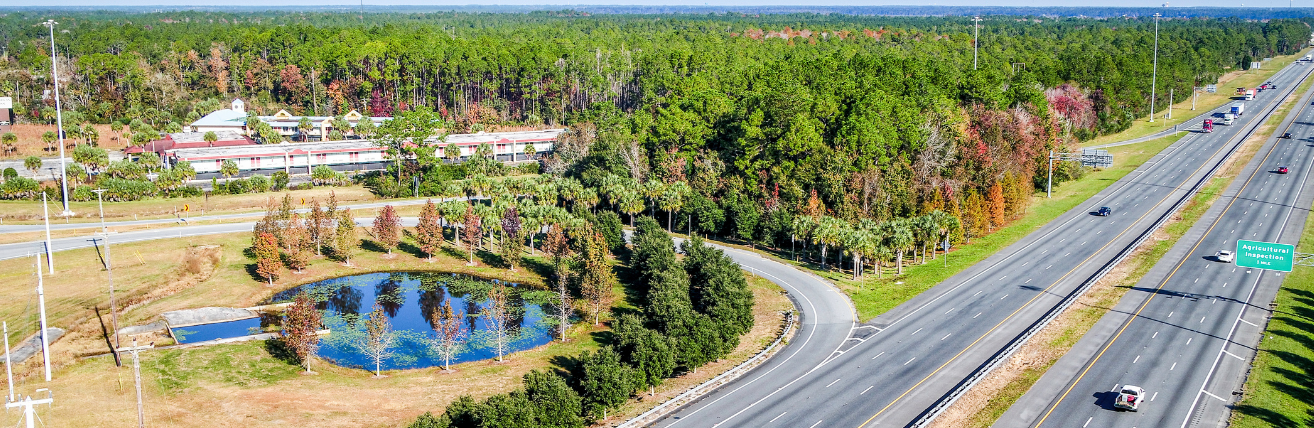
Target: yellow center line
1127 323
1037 296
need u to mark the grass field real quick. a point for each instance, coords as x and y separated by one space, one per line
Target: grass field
1280 389
1182 112
249 383
986 402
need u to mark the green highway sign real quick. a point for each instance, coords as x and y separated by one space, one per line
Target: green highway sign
1265 255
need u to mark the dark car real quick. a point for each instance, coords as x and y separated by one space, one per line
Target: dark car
1282 170
1286 135
1105 211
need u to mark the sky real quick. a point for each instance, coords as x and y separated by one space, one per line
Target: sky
1035 3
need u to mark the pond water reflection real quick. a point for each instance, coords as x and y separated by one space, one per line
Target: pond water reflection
408 298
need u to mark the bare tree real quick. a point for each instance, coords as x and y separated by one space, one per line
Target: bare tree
449 336
636 161
558 248
378 339
471 231
498 316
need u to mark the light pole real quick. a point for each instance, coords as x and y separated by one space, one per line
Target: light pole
976 37
59 116
109 272
1154 75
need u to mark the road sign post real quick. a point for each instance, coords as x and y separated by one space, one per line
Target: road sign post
1265 255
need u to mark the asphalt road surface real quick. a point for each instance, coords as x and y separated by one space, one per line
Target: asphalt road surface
900 364
1187 332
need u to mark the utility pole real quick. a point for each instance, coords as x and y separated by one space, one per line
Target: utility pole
136 374
28 404
976 26
41 305
109 272
1154 76
50 250
9 372
1170 103
59 117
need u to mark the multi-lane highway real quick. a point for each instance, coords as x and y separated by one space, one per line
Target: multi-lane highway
903 362
1188 333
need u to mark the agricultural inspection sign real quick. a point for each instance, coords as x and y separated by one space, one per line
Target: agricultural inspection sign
1265 255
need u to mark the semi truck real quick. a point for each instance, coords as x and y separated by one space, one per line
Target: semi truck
1208 125
1238 108
1228 118
1250 94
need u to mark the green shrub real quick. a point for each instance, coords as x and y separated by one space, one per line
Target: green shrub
119 189
10 173
258 183
280 180
83 193
19 188
182 192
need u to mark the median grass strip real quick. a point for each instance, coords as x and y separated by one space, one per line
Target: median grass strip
1182 112
1280 389
989 399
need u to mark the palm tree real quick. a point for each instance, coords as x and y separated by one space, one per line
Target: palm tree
570 189
210 137
900 240
32 163
924 230
452 152
827 233
91 135
228 169
652 190
589 198
802 227
530 151
477 186
304 126
630 202
948 224
854 241
672 200
9 138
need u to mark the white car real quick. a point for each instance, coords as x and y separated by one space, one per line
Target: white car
1130 398
1224 256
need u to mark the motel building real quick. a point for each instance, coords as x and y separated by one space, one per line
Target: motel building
349 155
233 119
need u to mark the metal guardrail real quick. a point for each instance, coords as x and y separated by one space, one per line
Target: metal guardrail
1003 354
674 403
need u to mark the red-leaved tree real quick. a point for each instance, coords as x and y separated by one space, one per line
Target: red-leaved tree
387 228
429 232
268 265
300 328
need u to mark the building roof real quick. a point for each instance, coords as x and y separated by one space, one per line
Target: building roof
225 117
186 140
264 150
504 137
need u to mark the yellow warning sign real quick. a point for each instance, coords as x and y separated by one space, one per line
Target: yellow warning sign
187 207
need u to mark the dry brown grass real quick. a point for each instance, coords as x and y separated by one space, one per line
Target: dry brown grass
30 143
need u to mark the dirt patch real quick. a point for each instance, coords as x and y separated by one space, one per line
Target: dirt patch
30 143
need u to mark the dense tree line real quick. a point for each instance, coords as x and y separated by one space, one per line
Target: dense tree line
695 311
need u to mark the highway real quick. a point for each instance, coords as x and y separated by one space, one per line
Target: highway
896 367
1187 332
